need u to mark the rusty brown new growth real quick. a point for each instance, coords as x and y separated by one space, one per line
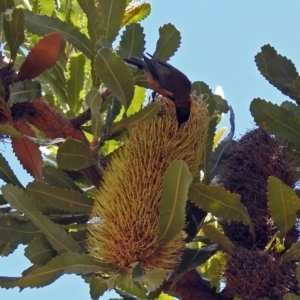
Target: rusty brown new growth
126 214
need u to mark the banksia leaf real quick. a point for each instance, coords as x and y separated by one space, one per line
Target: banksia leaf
290 296
293 253
6 173
136 13
283 204
176 183
115 74
135 199
168 42
6 129
24 91
97 288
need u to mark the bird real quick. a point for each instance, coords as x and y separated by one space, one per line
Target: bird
167 81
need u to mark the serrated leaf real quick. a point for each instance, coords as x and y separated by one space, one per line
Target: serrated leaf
76 80
218 137
14 231
201 89
110 146
24 91
216 236
7 249
62 199
168 42
293 253
291 107
137 101
290 296
27 152
176 182
164 296
276 120
74 154
6 129
13 26
47 7
68 263
42 56
132 41
39 251
42 25
278 70
221 104
6 173
154 279
283 204
220 202
142 115
97 288
94 100
57 237
131 287
111 14
137 13
115 74
193 258
59 178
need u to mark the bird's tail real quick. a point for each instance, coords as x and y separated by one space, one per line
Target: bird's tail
135 61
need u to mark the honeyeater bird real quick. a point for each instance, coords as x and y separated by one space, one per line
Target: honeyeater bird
168 81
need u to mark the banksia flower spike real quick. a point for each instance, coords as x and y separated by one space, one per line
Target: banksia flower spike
125 217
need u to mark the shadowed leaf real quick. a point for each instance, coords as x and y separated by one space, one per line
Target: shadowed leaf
276 120
6 4
112 70
6 173
13 26
74 154
291 107
6 129
6 248
97 288
24 91
43 25
57 237
293 253
43 56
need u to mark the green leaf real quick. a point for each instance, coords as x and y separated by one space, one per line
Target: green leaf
76 81
177 179
57 237
283 204
115 74
97 288
74 154
110 146
59 178
6 173
278 70
137 101
292 253
168 42
220 202
142 115
290 296
6 249
216 236
14 231
291 107
137 13
202 90
276 120
24 91
13 26
132 41
193 258
39 251
154 279
6 129
43 25
62 199
111 14
131 286
68 263
47 7
94 100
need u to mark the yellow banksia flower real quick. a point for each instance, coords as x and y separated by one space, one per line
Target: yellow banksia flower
125 216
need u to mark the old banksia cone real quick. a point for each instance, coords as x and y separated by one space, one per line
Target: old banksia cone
125 217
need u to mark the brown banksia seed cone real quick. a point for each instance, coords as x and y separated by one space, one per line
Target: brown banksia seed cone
125 217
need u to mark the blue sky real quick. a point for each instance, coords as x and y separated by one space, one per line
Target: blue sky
219 42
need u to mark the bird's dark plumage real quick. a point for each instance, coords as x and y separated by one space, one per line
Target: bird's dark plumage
168 81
